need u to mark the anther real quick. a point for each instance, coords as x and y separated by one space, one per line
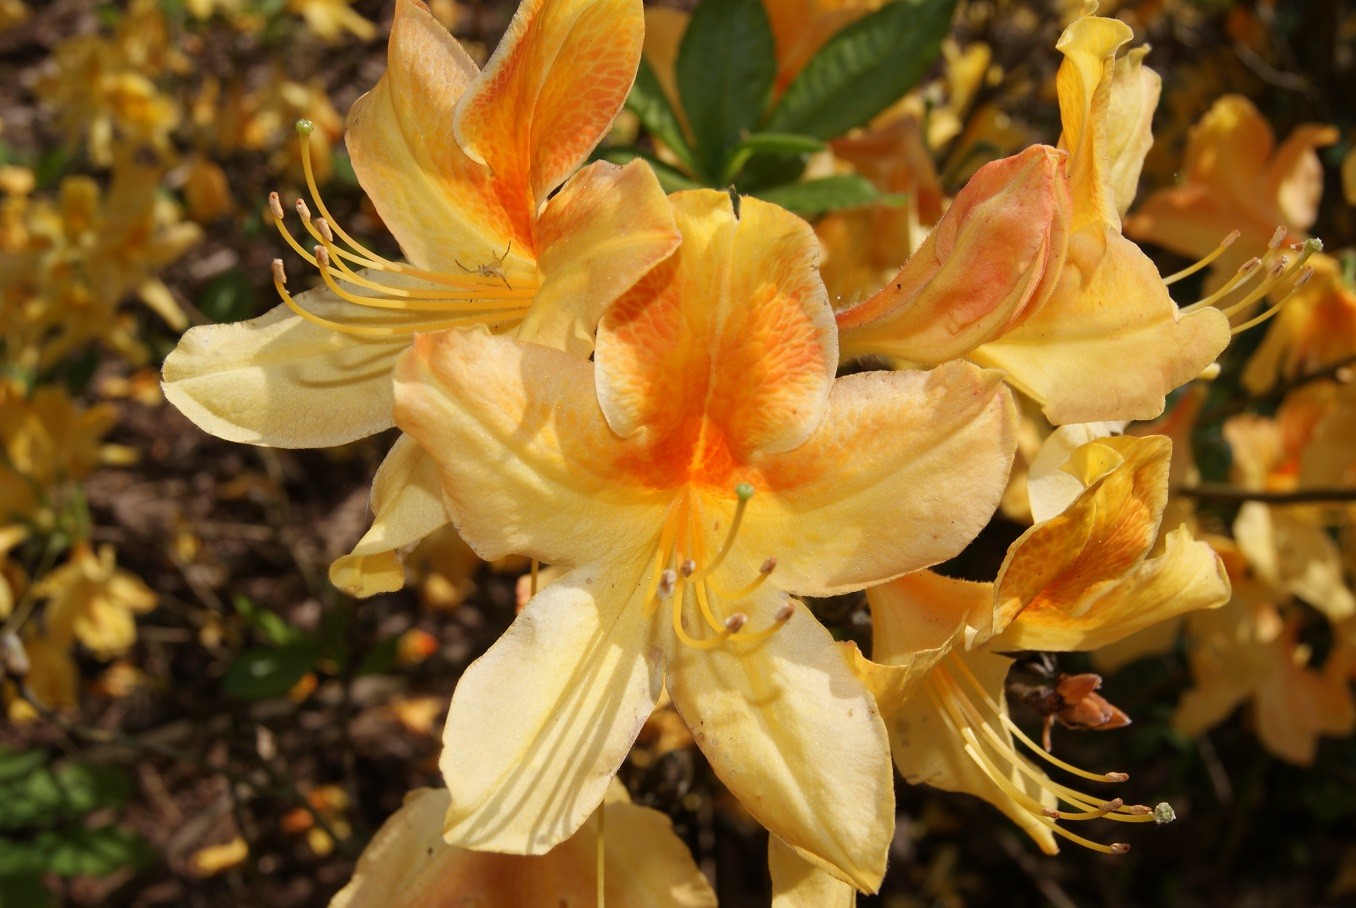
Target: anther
735 623
304 127
324 227
784 613
768 566
279 274
275 206
688 567
1120 848
303 210
1118 777
667 581
1277 238
1138 810
322 257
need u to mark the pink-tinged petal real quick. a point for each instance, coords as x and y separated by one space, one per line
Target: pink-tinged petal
905 470
797 883
281 381
928 747
605 229
440 205
407 505
725 349
1111 311
995 256
549 94
796 737
539 724
528 464
408 865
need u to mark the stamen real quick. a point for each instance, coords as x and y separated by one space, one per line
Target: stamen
1275 307
1239 278
1209 259
748 589
735 623
744 492
1277 238
275 206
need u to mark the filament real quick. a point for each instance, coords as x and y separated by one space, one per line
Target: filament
1202 263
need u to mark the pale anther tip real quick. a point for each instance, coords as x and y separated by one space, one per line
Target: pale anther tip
1304 277
304 127
1249 265
323 226
1118 777
1138 810
667 580
768 566
688 568
744 491
784 613
1163 813
279 273
303 210
1277 238
1120 848
1114 804
1052 814
275 206
735 623
1230 239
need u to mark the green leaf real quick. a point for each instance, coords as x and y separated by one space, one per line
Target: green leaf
15 764
229 297
651 106
864 69
94 852
769 144
23 890
90 787
18 859
670 178
816 197
725 69
270 624
381 658
262 673
44 798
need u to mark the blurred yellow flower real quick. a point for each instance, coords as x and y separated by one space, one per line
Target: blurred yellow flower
91 600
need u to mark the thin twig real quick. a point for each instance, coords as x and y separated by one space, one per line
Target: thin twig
1227 494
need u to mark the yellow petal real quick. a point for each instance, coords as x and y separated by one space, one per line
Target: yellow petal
440 205
796 737
994 257
726 348
1084 84
407 865
1051 488
550 93
797 883
407 505
598 236
1186 577
528 464
1110 309
541 722
281 381
1294 556
928 751
1135 90
905 470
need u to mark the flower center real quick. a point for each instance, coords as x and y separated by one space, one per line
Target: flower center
683 575
950 686
480 295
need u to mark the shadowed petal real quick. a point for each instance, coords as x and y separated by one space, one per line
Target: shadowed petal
797 883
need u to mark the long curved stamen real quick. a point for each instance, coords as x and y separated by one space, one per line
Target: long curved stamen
744 492
1203 263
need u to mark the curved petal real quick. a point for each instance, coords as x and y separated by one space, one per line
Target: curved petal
600 234
727 348
1135 89
408 865
549 94
797 883
440 205
996 254
407 505
528 465
281 381
1110 311
796 737
539 724
905 470
1084 85
929 750
1187 576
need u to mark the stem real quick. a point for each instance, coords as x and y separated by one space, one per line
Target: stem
1218 492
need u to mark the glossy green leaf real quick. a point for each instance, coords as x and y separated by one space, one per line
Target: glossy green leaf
94 852
651 106
726 66
816 197
864 69
670 178
262 673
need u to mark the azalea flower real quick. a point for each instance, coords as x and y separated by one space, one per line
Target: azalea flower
705 467
463 166
1080 578
92 600
1028 271
408 865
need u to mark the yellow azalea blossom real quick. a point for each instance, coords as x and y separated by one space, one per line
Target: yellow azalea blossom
796 883
463 166
1235 177
1316 329
91 600
331 19
643 864
52 679
1328 458
1030 274
705 467
1079 579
